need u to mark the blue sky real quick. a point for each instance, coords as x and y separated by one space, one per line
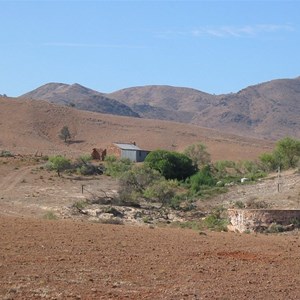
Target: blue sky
213 46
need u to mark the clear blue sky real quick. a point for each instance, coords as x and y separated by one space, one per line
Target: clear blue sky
213 46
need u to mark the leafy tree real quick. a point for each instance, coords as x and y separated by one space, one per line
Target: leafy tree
65 134
172 165
198 154
285 155
269 161
59 163
289 150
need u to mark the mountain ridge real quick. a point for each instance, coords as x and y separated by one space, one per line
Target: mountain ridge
266 110
80 97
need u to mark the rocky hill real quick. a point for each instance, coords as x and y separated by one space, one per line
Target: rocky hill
80 97
268 110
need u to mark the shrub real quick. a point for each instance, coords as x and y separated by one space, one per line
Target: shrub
6 153
222 167
202 178
275 228
49 215
59 164
198 154
216 220
79 205
239 204
172 165
90 169
135 181
161 191
115 167
285 155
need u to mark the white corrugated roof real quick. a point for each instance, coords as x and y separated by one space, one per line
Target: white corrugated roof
125 146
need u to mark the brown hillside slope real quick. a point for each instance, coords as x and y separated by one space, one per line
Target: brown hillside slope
268 110
28 126
80 97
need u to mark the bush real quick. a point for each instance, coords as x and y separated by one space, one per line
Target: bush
202 178
59 164
90 169
161 191
172 165
6 153
134 182
198 154
49 215
115 167
216 221
285 155
239 204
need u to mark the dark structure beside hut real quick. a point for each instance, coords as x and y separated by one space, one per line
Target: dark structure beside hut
98 154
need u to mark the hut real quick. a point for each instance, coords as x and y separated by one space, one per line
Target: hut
127 150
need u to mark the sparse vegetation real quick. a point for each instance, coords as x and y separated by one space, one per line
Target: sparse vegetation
50 215
6 153
198 154
115 167
217 220
79 205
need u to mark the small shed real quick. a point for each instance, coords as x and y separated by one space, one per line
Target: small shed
127 150
98 153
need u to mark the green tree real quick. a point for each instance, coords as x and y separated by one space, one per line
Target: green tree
198 154
285 155
59 163
289 150
269 161
172 165
65 134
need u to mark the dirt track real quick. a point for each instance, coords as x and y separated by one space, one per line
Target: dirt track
74 260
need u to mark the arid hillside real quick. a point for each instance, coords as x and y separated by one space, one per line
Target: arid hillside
268 110
29 126
80 97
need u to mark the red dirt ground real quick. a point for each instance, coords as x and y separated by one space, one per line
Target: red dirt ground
42 259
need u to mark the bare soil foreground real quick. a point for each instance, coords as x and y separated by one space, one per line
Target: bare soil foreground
63 259
70 258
